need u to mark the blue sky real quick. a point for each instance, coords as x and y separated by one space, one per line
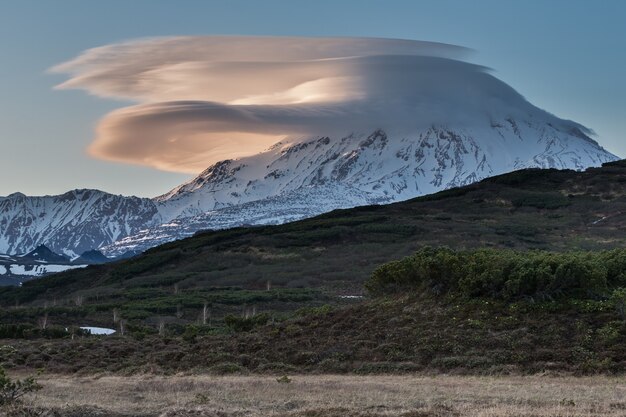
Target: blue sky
568 57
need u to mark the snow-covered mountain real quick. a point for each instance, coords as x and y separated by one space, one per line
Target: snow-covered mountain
73 222
359 120
410 125
379 167
295 180
15 269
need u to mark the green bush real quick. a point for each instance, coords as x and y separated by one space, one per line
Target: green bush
28 331
541 200
191 333
505 274
314 311
431 268
227 368
245 324
618 299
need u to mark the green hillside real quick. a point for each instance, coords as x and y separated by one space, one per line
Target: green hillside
436 311
243 279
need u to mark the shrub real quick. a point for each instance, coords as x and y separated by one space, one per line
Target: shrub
276 367
541 200
28 331
506 274
610 332
432 268
283 379
227 368
11 391
314 311
245 324
618 299
190 334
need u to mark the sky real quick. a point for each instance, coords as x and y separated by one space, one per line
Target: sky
567 57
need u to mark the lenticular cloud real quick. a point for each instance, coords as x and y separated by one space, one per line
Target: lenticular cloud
205 99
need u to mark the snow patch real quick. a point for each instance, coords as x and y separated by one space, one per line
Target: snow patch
37 270
98 330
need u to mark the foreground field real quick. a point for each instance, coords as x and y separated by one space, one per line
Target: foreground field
325 396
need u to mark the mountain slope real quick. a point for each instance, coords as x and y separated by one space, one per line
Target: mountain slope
91 257
16 269
44 255
382 167
298 180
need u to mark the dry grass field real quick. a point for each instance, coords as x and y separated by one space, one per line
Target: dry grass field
330 395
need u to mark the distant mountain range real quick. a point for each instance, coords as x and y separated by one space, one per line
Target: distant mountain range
15 269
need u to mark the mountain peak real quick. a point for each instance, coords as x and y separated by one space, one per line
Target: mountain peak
91 257
40 250
44 254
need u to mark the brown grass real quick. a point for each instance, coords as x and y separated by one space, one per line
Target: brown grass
331 395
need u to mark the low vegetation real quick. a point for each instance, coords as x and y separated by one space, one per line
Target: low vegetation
439 310
13 390
328 396
507 275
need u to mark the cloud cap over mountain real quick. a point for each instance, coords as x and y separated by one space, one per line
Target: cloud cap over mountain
205 99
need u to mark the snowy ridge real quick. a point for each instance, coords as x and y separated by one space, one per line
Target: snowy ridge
290 206
71 223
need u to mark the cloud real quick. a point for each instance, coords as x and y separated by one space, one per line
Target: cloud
204 99
225 68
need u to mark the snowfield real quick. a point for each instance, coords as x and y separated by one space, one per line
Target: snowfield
35 270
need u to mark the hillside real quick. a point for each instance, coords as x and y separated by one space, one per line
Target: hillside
272 299
321 261
436 322
544 209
